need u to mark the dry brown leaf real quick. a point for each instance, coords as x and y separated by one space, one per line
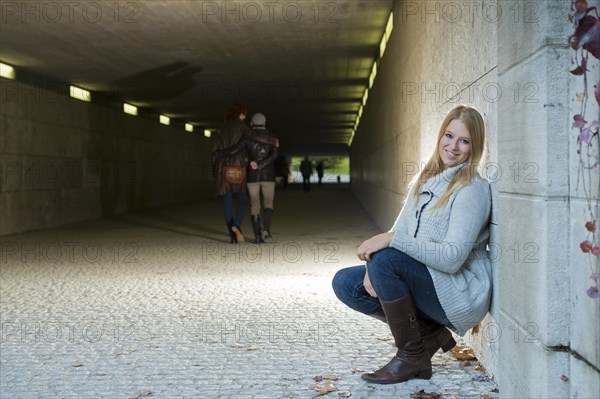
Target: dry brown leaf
481 368
564 378
486 396
324 389
321 377
147 392
475 329
248 347
462 353
425 395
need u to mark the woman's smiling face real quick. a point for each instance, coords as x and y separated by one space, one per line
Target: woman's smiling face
455 145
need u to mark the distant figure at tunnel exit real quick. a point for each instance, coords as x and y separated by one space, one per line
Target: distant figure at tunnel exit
432 270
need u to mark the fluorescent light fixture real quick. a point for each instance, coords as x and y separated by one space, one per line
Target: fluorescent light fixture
207 133
130 109
165 120
365 98
390 26
189 127
382 46
360 111
373 74
351 138
387 34
6 71
80 94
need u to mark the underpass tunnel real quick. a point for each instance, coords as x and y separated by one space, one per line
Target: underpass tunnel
108 116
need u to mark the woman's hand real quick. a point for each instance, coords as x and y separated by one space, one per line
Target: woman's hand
368 286
374 244
253 165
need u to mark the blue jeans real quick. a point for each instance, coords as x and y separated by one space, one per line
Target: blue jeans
242 201
393 274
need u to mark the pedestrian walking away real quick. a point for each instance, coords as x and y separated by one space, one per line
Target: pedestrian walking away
306 170
233 183
260 175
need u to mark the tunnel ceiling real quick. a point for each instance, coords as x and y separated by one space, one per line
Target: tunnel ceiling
304 64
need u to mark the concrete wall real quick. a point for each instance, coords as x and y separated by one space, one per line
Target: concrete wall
64 160
541 325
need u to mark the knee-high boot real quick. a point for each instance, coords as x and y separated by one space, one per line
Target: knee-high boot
411 359
434 335
268 218
256 228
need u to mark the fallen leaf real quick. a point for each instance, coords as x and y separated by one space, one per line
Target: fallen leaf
142 394
475 329
344 394
481 368
324 389
564 378
462 353
467 364
78 365
355 370
248 347
495 390
486 396
321 377
425 395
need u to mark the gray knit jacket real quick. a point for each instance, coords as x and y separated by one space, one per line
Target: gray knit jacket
452 243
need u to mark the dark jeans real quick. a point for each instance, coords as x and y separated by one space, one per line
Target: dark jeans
393 274
242 201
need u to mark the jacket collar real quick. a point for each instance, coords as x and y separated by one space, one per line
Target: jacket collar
440 182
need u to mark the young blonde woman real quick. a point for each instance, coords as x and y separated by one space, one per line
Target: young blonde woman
432 270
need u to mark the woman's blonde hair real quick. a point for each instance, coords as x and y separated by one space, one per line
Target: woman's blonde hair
476 127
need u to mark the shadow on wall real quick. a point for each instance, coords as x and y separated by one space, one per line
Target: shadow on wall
165 82
126 151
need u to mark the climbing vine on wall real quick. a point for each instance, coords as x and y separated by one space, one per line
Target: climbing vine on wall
585 40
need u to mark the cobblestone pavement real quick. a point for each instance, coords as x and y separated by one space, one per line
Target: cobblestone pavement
156 304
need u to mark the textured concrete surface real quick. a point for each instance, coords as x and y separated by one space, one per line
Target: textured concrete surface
156 304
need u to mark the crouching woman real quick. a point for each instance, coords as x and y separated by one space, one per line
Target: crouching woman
431 272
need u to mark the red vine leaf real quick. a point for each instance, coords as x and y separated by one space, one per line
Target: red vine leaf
592 292
578 121
588 35
597 92
596 251
586 246
594 276
591 227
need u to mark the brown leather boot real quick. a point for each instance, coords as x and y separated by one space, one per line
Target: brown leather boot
379 316
435 336
411 360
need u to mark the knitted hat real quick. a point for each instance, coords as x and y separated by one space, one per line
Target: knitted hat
259 119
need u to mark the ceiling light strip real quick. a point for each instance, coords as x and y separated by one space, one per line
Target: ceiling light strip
389 27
